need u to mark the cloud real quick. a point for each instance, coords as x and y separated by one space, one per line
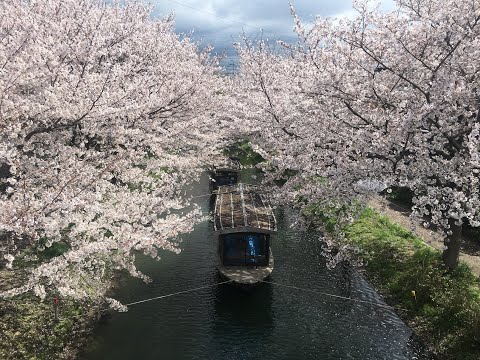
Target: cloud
221 22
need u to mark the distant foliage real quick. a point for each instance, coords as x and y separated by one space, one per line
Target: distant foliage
400 195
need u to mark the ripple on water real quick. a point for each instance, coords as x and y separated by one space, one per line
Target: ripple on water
273 322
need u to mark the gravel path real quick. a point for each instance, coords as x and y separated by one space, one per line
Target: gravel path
400 215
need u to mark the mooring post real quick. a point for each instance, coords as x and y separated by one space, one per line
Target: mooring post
56 300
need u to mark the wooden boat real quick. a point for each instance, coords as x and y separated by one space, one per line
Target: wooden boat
226 173
244 224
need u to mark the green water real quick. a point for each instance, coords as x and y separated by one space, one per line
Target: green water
273 322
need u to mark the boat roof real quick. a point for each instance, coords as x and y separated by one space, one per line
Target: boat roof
243 208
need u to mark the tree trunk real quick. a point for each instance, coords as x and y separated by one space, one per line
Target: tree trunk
452 242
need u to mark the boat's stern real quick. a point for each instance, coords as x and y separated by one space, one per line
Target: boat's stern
247 276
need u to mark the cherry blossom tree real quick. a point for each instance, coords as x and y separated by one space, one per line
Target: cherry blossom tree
105 115
387 97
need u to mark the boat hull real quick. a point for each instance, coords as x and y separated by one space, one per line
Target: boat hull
246 277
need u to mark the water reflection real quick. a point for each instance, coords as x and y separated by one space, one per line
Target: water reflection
243 323
273 322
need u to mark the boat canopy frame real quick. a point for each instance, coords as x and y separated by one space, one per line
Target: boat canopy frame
242 208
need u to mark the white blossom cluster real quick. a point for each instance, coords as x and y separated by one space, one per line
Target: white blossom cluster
105 116
387 98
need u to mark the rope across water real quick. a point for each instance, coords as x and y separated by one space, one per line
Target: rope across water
385 306
178 293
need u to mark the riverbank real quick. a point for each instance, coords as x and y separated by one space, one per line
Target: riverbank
399 214
442 308
29 330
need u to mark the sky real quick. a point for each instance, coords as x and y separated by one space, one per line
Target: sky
220 23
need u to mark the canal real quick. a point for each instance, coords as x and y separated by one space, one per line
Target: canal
273 322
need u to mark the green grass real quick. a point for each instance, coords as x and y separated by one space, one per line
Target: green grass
28 329
445 306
